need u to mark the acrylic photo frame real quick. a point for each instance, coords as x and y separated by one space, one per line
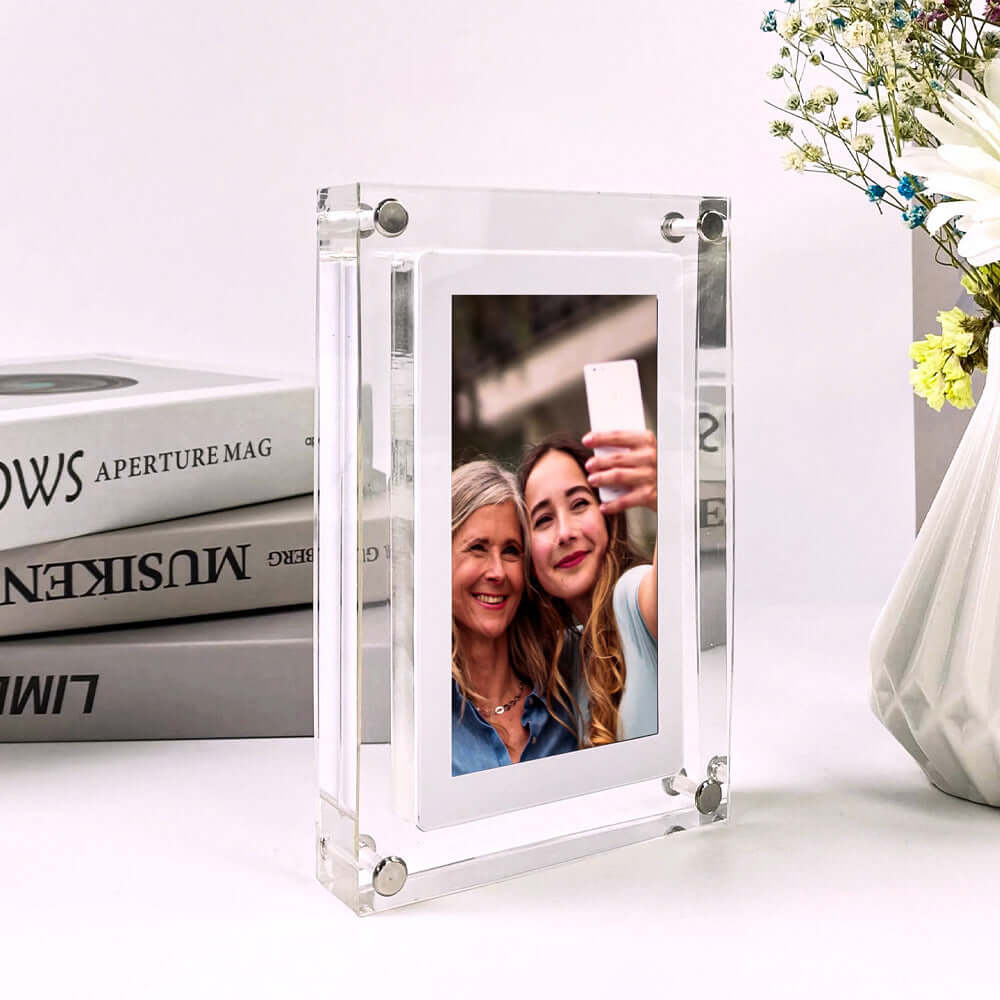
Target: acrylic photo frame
395 825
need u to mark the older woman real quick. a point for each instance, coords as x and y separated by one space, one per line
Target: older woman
596 595
502 684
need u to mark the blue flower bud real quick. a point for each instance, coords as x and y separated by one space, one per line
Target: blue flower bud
914 216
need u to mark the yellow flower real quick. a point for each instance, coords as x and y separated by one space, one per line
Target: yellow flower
959 343
954 336
939 374
959 393
935 359
929 384
920 349
953 369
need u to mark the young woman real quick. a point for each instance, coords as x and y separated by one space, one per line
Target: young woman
595 595
501 679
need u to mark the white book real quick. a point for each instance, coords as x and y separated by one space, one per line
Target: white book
243 559
96 443
235 676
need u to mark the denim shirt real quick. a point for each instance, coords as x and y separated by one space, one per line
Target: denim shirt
476 745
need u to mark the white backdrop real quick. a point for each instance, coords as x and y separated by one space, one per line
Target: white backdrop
157 173
158 178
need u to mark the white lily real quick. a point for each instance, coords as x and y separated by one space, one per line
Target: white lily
965 166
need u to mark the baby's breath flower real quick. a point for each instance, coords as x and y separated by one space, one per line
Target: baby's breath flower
812 153
781 130
866 112
857 33
790 26
885 54
784 52
862 143
816 59
776 72
844 123
794 160
824 95
793 103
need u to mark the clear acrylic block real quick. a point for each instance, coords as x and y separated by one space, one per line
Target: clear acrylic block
467 340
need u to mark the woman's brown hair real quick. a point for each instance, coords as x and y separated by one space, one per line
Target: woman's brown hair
602 659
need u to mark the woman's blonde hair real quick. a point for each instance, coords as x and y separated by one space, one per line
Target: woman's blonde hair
479 484
602 657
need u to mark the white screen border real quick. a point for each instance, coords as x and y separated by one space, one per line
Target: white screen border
441 799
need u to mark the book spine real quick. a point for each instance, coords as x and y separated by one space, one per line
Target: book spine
98 470
130 689
126 692
168 570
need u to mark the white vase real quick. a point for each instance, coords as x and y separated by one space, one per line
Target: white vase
935 650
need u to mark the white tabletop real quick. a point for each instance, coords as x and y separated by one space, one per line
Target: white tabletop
185 869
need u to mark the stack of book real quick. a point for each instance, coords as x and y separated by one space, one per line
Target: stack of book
156 523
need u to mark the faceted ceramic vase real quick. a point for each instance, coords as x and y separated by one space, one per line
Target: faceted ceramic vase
935 651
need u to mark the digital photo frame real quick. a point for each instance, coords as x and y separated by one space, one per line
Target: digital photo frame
528 394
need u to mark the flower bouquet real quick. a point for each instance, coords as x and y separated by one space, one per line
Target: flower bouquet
901 100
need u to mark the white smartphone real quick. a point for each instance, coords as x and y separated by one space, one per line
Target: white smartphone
614 400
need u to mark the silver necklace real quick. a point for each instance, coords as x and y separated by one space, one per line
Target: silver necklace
500 709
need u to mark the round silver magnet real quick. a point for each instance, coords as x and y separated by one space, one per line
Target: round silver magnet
708 797
391 218
389 876
712 226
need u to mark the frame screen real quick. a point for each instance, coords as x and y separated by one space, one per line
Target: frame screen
566 638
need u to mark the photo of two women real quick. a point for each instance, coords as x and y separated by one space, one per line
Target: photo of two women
554 586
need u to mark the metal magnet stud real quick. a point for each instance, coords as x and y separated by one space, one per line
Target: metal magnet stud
675 227
718 768
391 218
707 794
710 225
388 874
